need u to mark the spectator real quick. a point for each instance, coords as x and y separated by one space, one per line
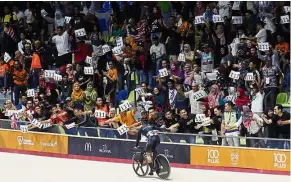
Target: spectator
283 121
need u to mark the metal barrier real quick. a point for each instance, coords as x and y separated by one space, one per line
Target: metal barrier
236 141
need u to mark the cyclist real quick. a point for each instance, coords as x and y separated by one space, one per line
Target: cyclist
149 129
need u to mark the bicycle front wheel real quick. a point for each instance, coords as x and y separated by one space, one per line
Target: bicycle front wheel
140 165
163 165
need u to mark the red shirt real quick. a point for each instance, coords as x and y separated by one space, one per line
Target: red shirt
59 119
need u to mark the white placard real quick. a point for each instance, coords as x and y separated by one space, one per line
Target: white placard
46 125
199 20
89 60
182 57
211 76
68 19
58 77
119 42
199 94
287 9
30 93
140 91
100 114
163 72
9 113
69 126
249 77
7 57
217 19
43 12
117 50
49 73
285 19
24 128
125 106
180 22
80 32
199 118
88 70
105 49
122 129
36 123
263 46
206 121
234 75
236 20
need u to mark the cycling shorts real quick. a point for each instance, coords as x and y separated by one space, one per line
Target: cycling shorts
153 142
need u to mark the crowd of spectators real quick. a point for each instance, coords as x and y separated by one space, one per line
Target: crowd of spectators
217 68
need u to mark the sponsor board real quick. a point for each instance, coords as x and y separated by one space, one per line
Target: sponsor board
273 160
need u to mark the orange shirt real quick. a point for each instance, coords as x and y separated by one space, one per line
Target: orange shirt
35 61
112 73
3 69
19 77
282 47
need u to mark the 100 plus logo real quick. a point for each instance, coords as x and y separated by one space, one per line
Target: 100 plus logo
280 160
213 156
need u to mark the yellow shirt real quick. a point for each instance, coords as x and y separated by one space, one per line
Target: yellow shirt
128 119
7 18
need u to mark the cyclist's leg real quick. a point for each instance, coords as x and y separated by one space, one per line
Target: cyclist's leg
149 154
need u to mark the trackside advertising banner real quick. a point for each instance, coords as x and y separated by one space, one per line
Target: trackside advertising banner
273 160
39 142
124 149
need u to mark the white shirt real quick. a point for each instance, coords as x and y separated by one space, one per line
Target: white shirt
62 43
20 45
196 106
262 36
159 50
19 15
29 16
257 103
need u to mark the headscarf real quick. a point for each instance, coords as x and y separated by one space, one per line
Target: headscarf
177 71
61 21
213 96
131 42
77 95
187 75
231 95
242 99
159 99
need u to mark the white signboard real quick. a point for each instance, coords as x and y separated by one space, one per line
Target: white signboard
125 106
117 50
249 77
58 77
199 118
199 94
105 49
7 57
36 123
89 60
140 91
68 19
211 76
180 22
287 9
217 19
46 125
119 42
163 72
199 20
285 19
69 126
182 57
236 20
122 129
49 73
24 128
43 12
30 93
80 32
100 114
234 75
263 46
88 70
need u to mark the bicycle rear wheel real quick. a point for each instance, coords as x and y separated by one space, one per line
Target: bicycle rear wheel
163 165
140 164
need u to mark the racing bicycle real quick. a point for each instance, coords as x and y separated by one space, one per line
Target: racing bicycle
141 167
